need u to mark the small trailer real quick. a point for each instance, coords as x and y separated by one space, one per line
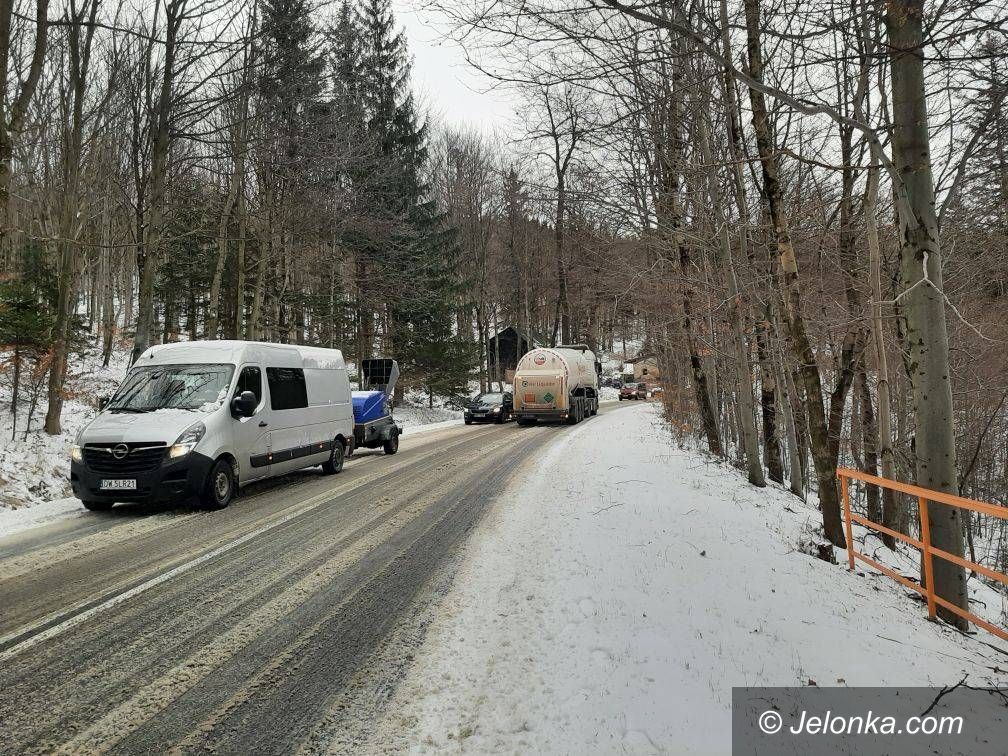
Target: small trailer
372 406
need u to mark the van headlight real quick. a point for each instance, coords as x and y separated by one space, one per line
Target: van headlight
187 441
496 410
77 448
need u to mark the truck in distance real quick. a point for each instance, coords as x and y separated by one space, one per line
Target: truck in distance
556 384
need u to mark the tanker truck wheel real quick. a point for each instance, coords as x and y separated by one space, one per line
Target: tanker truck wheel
575 414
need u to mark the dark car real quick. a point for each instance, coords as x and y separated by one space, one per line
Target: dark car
490 408
633 391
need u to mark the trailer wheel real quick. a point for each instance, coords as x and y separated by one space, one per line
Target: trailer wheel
335 462
392 445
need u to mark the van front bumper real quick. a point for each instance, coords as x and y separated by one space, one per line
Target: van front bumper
172 480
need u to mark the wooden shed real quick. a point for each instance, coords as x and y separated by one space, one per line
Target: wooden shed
505 349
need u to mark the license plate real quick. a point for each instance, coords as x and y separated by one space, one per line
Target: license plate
118 485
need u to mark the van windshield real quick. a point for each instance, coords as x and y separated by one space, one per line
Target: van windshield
187 387
489 399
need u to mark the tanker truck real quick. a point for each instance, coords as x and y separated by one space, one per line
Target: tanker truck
558 383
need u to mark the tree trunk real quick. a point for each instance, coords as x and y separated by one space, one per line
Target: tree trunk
222 250
12 119
768 401
562 306
796 467
239 295
805 356
152 239
15 387
894 512
924 301
79 49
739 314
708 416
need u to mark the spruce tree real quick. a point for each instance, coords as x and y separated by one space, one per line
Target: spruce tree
412 251
290 89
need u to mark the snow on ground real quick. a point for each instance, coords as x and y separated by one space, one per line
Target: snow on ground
415 412
35 469
24 518
614 595
612 362
608 394
412 418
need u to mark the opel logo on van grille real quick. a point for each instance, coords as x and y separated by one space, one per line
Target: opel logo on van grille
119 451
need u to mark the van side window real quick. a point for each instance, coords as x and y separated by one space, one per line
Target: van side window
250 380
287 388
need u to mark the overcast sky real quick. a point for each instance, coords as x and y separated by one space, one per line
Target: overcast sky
454 91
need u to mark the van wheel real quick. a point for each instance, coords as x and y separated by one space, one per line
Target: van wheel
392 445
335 463
220 486
97 506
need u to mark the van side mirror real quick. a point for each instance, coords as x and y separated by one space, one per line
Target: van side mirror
244 405
103 401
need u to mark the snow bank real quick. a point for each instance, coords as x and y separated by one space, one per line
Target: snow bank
608 394
15 520
413 418
414 411
36 469
612 598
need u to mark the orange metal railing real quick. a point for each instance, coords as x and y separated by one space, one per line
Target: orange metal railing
924 545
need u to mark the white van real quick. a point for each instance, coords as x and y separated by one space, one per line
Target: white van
202 418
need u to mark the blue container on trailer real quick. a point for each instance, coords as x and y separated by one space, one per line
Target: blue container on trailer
368 406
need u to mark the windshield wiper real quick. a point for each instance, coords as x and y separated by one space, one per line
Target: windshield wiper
135 410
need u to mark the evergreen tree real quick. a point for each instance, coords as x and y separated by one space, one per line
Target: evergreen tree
345 45
183 282
413 252
290 88
291 79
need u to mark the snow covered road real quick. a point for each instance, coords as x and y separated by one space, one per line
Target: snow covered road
249 630
592 589
609 602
